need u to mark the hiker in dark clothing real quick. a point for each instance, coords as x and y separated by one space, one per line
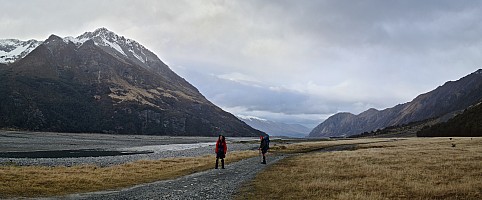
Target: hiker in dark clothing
220 150
264 147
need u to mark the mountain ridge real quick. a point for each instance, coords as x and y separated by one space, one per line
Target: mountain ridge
450 97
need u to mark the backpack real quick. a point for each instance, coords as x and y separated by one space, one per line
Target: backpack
265 143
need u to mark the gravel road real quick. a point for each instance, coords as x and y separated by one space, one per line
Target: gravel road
211 184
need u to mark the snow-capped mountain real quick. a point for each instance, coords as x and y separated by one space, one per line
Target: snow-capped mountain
13 49
121 47
276 128
103 82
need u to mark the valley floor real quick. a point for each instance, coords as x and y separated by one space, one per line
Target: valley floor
383 168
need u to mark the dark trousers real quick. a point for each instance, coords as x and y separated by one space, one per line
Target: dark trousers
220 155
222 163
264 155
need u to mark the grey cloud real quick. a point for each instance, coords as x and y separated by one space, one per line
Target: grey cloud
260 97
324 56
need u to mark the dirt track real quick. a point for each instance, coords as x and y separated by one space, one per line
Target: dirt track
211 184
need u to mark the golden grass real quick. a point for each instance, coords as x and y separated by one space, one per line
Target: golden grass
36 181
304 147
417 168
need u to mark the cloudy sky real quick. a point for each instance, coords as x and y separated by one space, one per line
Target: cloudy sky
294 61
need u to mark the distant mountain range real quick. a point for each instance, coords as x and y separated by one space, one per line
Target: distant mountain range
446 100
276 128
102 82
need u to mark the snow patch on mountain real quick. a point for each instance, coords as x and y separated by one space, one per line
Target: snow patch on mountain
76 41
13 49
137 56
113 45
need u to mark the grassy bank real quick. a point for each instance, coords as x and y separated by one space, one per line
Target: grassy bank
417 168
36 181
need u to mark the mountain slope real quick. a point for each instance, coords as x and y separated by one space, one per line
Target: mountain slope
467 124
86 84
275 128
451 97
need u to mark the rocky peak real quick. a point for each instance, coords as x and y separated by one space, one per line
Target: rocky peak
104 32
53 38
101 36
124 48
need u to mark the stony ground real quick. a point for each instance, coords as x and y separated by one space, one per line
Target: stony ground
211 184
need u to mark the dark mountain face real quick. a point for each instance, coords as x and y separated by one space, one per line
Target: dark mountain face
100 82
467 124
453 96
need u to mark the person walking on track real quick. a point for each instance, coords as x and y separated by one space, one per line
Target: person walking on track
220 150
264 146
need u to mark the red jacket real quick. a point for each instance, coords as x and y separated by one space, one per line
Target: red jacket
224 146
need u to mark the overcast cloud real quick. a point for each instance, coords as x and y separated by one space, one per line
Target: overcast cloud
296 61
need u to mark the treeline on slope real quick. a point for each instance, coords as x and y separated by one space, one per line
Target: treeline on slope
467 124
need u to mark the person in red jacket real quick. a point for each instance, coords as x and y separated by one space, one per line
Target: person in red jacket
220 150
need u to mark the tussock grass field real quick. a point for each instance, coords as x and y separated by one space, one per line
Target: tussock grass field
38 181
414 168
305 147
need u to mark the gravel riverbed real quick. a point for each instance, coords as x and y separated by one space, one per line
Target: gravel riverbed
115 160
158 146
